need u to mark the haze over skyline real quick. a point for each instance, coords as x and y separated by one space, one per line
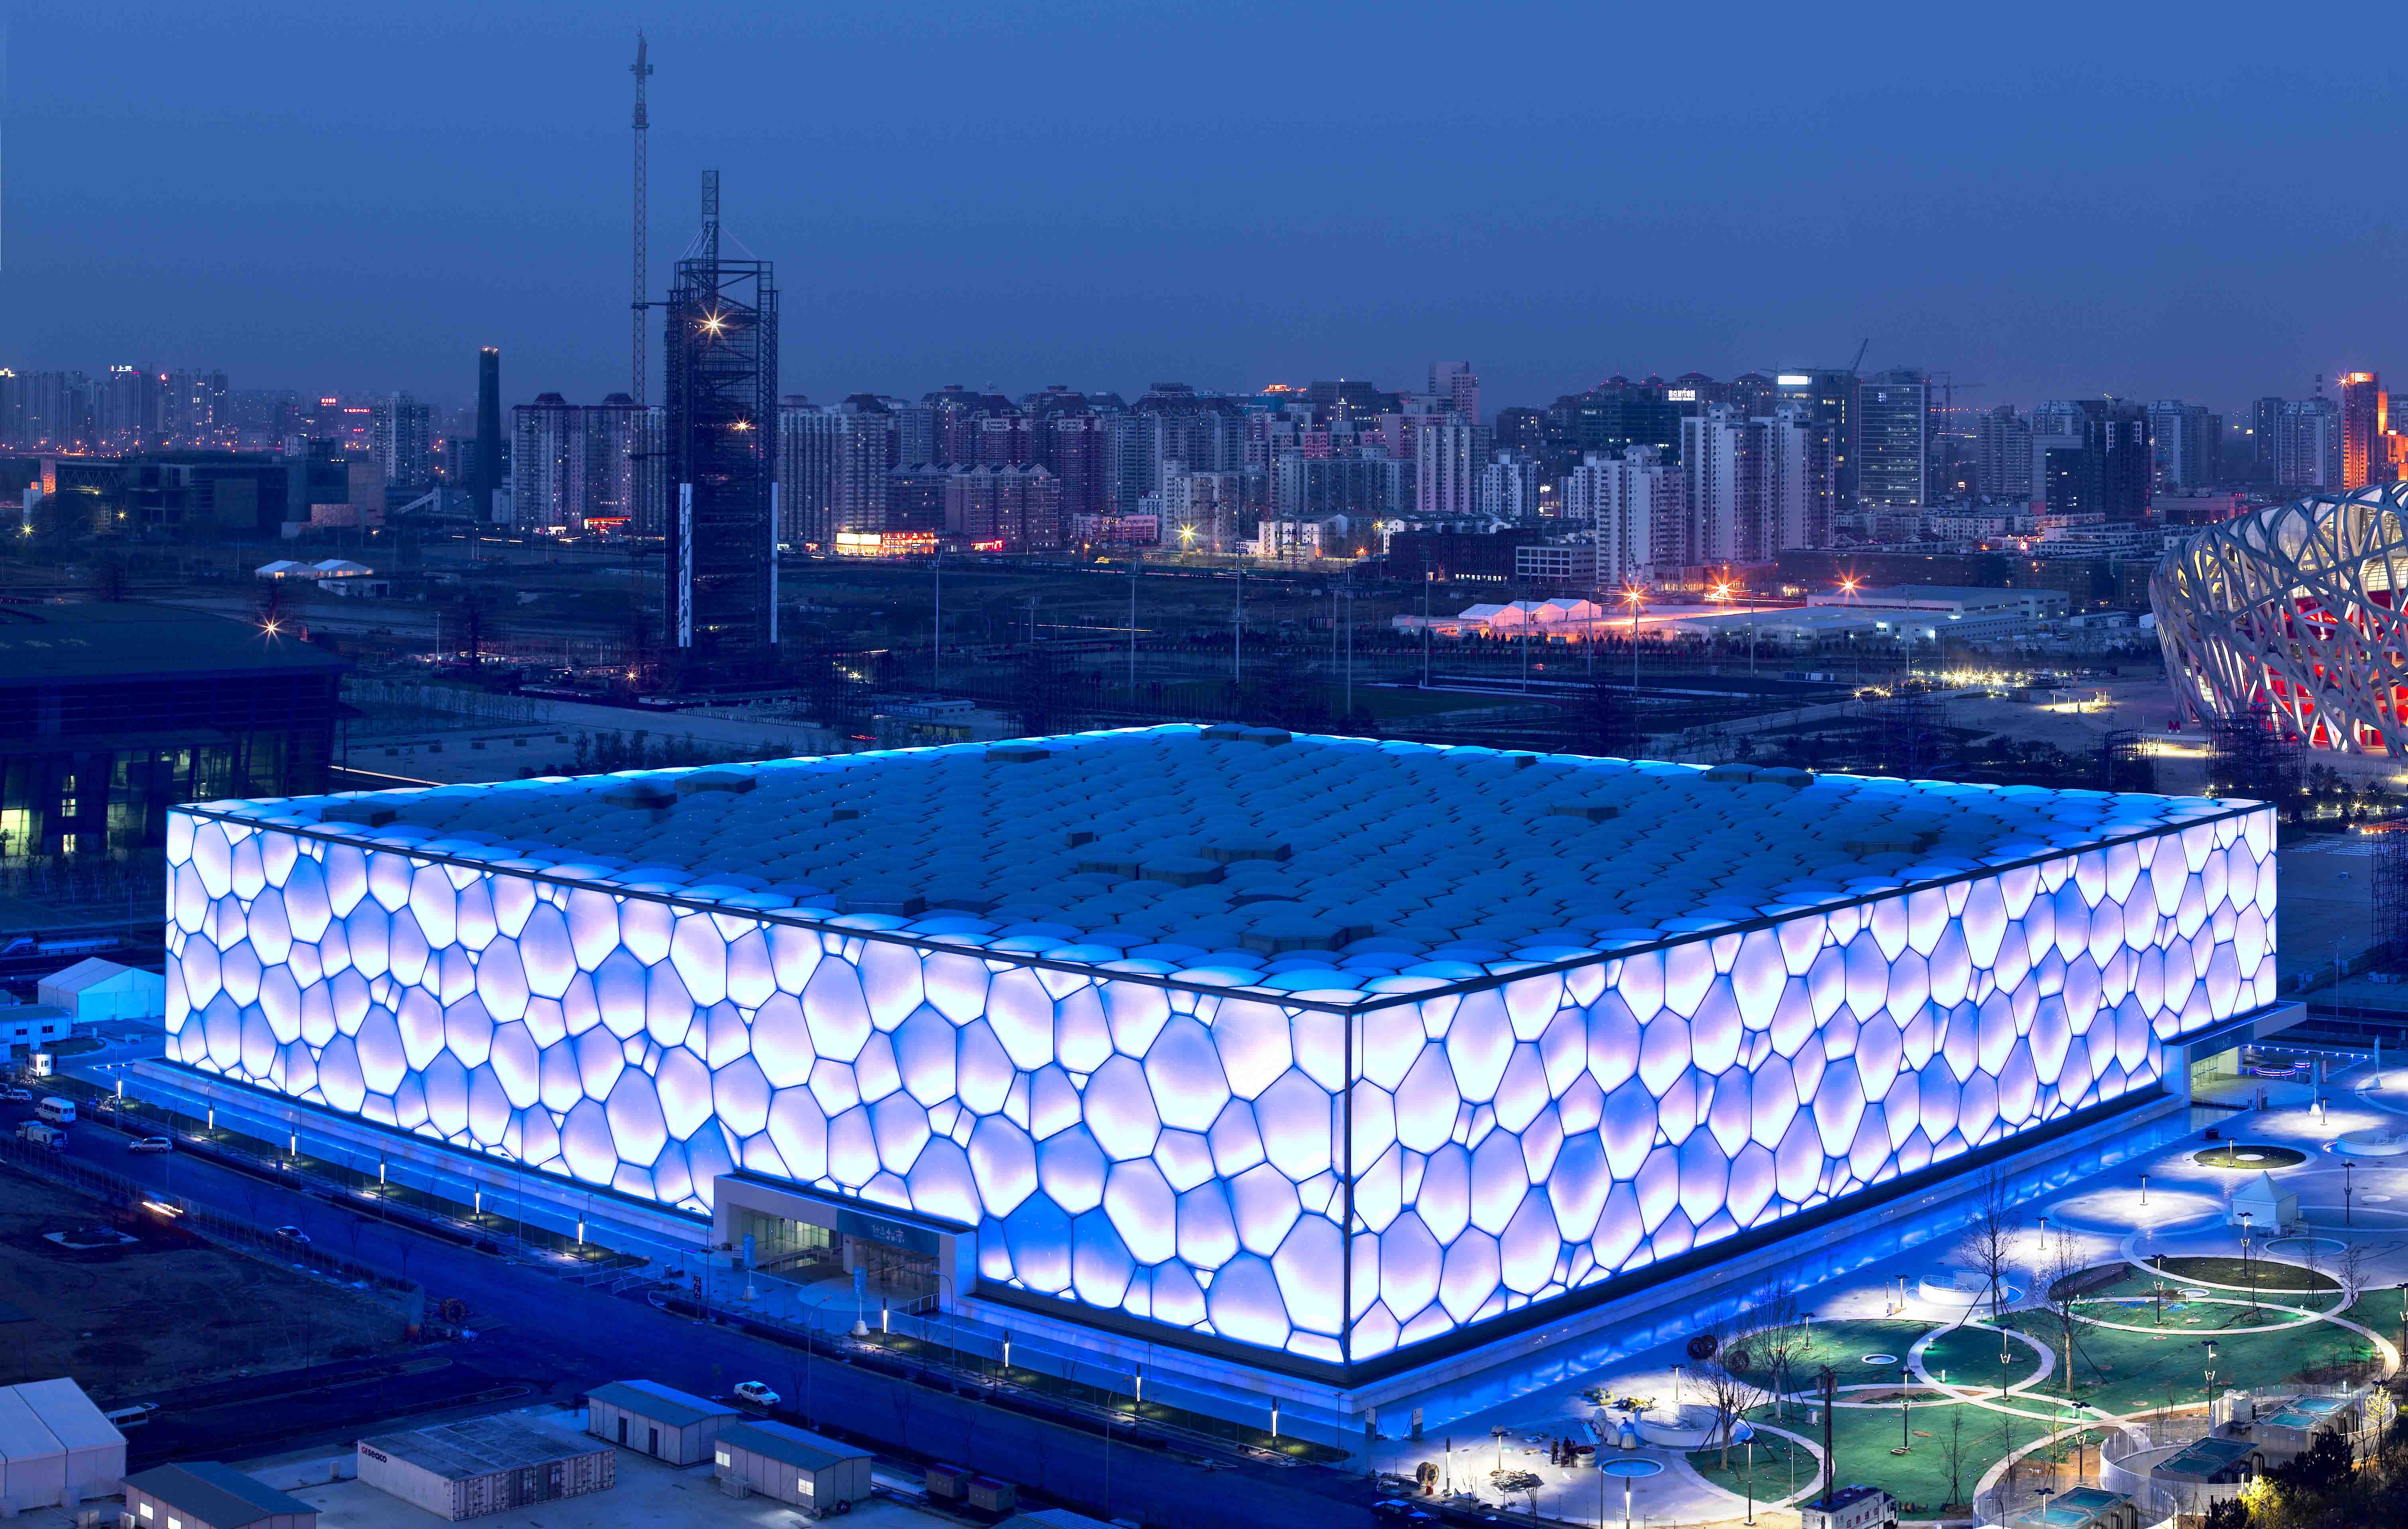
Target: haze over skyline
1227 195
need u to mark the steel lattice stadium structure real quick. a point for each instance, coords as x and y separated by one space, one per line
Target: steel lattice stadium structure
2291 609
1309 1057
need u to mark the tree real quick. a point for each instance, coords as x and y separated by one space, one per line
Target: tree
1723 1363
1609 720
2321 1472
1989 1244
2226 1513
1952 1449
1776 1340
2062 1264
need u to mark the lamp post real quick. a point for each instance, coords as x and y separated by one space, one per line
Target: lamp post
2211 1384
2248 1275
1636 598
1746 1433
2347 1167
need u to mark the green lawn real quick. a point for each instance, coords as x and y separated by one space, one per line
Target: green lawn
1862 1439
2127 1372
1969 1357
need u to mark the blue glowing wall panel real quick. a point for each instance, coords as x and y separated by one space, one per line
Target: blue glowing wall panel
1179 1152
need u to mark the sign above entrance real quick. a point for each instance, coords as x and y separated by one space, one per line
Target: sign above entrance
891 1233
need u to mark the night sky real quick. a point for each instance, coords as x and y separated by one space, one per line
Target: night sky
2199 202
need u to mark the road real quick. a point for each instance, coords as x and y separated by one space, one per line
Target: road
556 1339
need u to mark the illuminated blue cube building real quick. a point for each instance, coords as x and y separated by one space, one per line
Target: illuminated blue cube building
1319 1056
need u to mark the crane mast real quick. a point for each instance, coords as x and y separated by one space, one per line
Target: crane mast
642 69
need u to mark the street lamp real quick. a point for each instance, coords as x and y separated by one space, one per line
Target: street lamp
1746 1433
1636 598
2247 1275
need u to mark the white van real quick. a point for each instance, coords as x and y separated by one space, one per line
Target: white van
56 1110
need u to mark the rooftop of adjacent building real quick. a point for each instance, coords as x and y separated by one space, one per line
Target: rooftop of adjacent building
1180 850
120 641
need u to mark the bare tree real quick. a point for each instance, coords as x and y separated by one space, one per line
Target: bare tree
1952 1449
2061 1264
1988 1243
1724 1365
2352 1268
902 1396
1774 1342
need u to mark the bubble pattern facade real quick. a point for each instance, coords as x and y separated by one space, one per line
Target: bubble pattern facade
1334 1173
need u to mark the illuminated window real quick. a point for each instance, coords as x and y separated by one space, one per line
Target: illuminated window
722 1458
146 1511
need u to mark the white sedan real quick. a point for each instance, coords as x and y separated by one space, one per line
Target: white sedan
150 1144
757 1393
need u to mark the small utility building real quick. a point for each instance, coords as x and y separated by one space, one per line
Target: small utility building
2268 1207
782 1462
95 989
204 1494
663 1424
463 1470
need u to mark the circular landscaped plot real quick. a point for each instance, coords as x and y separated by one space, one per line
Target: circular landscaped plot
2251 1157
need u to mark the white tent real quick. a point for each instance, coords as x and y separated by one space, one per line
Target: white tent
95 989
285 568
2269 1209
95 1450
55 1446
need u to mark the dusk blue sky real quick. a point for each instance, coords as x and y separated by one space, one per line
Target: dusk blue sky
2116 198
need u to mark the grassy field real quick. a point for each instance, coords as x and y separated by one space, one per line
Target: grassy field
2126 1372
1861 1441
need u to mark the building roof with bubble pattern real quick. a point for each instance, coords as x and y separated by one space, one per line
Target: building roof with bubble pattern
1246 856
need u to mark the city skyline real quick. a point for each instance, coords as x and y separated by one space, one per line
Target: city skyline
1306 223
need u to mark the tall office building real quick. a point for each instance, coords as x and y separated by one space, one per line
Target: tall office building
2185 444
1015 508
1755 488
1075 445
811 451
864 456
1510 489
194 410
2002 458
722 351
2091 456
1206 512
1635 502
1895 440
1447 459
1828 396
1455 383
2265 432
485 475
548 464
125 410
2365 411
2308 444
623 465
401 437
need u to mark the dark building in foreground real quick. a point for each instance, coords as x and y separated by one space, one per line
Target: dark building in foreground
722 349
111 713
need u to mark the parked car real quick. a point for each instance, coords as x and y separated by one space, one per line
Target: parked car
16 1097
1397 1510
150 1144
293 1233
133 1416
755 1392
